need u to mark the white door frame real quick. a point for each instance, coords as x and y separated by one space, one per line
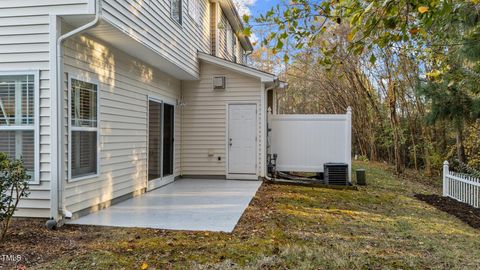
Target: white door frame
227 127
162 181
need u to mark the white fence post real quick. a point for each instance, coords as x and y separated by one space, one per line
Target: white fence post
348 148
446 172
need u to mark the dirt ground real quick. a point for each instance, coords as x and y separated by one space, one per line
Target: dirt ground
463 211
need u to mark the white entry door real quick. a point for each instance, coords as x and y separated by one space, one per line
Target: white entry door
242 137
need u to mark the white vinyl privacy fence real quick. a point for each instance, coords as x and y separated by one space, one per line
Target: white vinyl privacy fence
304 143
462 187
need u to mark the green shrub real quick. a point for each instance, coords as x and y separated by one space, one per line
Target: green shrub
13 186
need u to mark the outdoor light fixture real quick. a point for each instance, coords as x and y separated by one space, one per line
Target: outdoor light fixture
180 103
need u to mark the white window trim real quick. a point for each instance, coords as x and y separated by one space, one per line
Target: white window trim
229 41
70 128
178 23
196 10
36 119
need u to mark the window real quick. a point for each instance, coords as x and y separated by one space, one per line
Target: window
245 58
229 37
18 119
234 49
176 10
83 146
194 10
231 43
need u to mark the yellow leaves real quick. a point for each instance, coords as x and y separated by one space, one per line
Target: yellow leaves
144 266
423 9
434 73
247 32
350 36
246 18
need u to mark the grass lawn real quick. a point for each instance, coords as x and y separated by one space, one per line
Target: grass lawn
381 226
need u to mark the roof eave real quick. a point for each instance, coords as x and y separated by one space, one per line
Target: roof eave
263 76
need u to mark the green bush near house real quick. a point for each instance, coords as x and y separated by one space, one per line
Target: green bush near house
13 186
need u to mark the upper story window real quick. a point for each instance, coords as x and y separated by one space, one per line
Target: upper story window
230 43
194 10
18 119
230 36
234 49
176 10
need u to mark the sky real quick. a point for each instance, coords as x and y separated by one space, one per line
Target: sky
254 7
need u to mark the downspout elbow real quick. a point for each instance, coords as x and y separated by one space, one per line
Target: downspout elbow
82 28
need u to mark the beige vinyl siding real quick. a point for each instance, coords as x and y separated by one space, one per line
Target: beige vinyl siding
25 45
204 118
150 22
125 84
26 8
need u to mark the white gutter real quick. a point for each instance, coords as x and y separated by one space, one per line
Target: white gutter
58 148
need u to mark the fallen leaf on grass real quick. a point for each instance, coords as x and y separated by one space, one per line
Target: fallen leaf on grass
423 9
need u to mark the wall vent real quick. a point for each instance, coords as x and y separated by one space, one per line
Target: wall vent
336 174
219 82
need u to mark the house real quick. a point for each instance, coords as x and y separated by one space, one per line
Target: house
107 99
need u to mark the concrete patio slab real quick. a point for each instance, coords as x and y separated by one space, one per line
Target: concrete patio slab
186 204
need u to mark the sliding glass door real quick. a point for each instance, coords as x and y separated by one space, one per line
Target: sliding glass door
161 127
168 134
154 140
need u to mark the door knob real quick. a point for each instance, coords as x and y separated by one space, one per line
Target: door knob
230 141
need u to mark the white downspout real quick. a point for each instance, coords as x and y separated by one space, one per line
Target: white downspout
59 153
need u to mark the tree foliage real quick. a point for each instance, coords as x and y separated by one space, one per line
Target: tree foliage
410 69
432 25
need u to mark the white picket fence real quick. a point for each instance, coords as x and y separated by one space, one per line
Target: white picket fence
461 187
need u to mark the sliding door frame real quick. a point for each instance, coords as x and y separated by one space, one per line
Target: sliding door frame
162 180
